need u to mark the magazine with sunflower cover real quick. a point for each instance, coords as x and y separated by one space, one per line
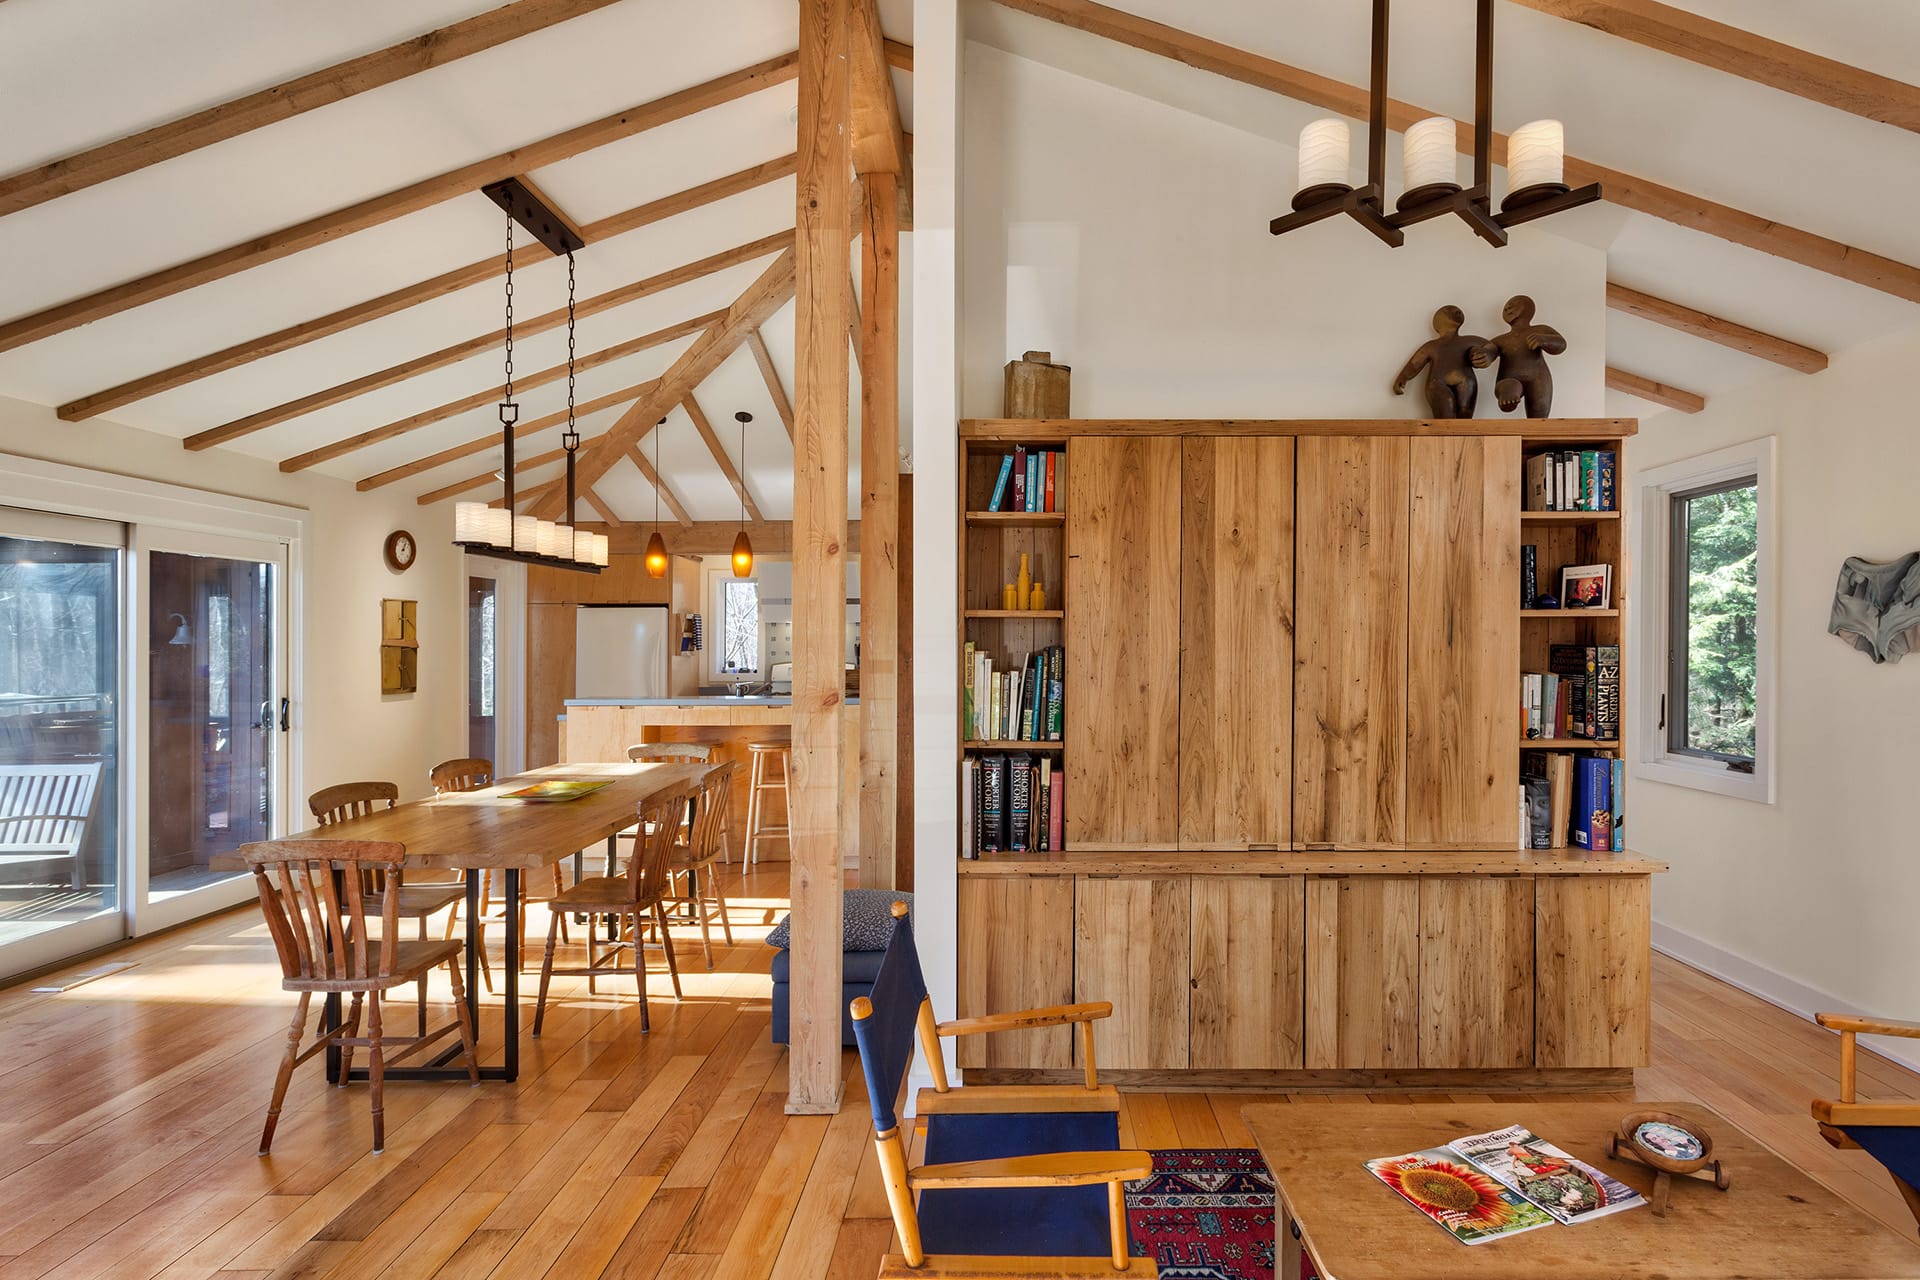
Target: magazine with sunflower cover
1472 1206
1569 1189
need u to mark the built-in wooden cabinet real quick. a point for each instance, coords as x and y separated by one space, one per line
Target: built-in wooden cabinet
1016 952
1130 946
1123 642
1476 972
1236 642
1593 951
1350 642
1363 972
1245 941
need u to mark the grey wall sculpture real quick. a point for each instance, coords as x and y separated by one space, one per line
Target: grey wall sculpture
1876 606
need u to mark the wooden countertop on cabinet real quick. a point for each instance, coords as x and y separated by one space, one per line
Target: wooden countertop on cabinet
1311 862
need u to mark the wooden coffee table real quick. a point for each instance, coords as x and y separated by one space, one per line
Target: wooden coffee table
1774 1222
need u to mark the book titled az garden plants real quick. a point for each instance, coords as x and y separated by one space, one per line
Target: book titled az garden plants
1489 1185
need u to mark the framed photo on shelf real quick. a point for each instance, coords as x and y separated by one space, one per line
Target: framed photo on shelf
1586 586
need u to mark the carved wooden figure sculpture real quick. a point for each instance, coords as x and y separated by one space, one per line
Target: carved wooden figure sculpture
1452 384
1522 351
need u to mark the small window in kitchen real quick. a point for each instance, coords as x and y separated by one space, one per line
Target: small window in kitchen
740 626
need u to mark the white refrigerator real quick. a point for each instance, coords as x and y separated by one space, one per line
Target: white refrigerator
620 651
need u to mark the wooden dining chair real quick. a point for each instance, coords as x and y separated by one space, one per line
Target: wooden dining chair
450 777
316 910
1888 1131
417 902
630 902
657 753
694 857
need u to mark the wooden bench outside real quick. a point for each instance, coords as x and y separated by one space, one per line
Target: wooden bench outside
44 811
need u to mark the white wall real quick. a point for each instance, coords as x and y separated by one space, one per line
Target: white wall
349 729
1821 889
1130 239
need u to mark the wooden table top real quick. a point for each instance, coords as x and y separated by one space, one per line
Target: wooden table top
484 830
1774 1222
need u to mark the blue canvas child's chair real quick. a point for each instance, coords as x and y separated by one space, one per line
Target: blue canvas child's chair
1018 1180
1888 1131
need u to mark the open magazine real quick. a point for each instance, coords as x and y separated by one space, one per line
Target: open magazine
1489 1185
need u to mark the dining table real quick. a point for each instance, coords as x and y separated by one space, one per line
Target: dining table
490 830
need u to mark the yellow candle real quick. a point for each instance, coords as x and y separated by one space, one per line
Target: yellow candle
1006 597
1038 598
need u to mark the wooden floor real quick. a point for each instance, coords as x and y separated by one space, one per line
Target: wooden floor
130 1110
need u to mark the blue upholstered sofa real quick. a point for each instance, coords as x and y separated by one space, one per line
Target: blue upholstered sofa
868 924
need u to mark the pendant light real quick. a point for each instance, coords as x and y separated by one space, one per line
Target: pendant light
742 547
656 545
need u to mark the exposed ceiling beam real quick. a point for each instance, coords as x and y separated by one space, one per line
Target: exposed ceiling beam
473 346
471 483
899 55
1727 333
1658 392
491 395
520 464
394 204
606 514
1622 189
879 142
727 469
526 497
712 537
492 441
387 304
853 319
653 478
771 376
763 297
1744 54
283 101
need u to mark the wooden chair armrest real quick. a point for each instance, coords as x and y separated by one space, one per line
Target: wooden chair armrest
1054 1016
1896 1115
1054 1169
1868 1026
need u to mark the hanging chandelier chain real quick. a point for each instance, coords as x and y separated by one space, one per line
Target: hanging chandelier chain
571 440
509 411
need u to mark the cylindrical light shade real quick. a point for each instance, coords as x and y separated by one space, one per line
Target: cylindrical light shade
1427 155
582 547
742 555
469 522
601 548
526 534
657 555
547 538
1536 155
497 527
1323 154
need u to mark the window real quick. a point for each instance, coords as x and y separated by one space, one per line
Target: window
740 626
1705 711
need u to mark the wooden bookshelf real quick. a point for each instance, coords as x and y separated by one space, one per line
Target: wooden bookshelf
1567 517
1571 615
1017 519
1011 744
1019 615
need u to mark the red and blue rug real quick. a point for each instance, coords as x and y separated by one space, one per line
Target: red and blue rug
1205 1214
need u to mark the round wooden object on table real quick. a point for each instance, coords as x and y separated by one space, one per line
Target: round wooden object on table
760 778
1631 1144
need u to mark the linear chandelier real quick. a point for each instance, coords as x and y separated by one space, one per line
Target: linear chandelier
1536 161
499 531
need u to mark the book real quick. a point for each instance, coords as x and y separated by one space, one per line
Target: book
1589 719
1019 478
1043 803
1057 694
969 783
1567 1189
993 795
1539 828
1019 802
1529 575
1468 1203
1589 480
1606 692
1619 797
1530 704
1033 481
1534 485
1000 485
1056 811
1609 494
1592 803
967 666
1051 455
1560 796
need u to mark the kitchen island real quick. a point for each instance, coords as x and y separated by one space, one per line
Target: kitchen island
597 730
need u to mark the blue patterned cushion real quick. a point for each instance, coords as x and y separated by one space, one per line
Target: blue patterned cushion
868 920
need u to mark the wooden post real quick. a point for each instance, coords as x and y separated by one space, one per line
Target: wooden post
821 380
880 521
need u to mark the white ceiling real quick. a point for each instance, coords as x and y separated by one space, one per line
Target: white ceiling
79 74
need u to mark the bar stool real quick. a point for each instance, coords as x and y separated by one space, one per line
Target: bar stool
759 779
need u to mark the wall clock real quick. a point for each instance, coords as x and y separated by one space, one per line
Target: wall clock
401 550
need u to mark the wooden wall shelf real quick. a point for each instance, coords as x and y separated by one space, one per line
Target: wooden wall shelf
1567 517
1567 615
1011 744
1017 519
1569 744
1023 615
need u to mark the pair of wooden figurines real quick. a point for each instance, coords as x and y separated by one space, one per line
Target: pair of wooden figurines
1452 360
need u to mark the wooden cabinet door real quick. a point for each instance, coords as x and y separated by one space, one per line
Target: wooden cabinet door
1247 953
1350 642
1476 972
1236 642
1363 971
1594 953
1130 947
1123 642
1463 732
1016 952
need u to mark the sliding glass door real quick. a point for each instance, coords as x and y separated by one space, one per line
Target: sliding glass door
60 698
215 714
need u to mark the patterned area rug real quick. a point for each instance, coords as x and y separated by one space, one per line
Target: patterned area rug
1205 1214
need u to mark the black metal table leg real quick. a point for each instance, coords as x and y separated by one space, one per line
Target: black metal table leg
511 1014
330 1019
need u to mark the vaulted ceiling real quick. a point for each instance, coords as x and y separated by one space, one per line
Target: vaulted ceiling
350 241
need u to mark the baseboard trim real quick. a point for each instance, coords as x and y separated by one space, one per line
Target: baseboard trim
1400 1080
1776 989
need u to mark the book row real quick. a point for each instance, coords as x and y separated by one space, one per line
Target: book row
1013 803
1571 480
1027 704
1579 586
1568 799
1577 697
1031 480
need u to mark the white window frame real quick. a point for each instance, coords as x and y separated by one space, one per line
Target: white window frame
1652 759
717 581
